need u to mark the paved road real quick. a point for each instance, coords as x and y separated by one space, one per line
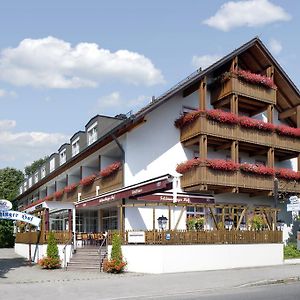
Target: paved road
21 281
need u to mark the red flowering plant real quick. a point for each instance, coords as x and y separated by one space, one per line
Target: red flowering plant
256 124
257 169
189 164
49 197
255 78
188 118
59 194
111 169
87 180
287 174
70 188
222 165
222 116
288 131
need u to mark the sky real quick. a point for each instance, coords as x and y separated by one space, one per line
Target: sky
62 62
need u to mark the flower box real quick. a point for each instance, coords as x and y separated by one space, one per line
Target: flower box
222 116
87 180
187 165
59 194
288 131
255 78
222 165
188 118
257 169
250 123
49 198
287 174
111 169
70 188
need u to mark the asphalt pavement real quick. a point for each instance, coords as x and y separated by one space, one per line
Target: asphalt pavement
20 280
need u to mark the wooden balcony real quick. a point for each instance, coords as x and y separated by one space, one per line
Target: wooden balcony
240 87
234 132
42 238
204 178
112 182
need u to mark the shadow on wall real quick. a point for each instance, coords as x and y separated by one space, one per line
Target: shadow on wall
135 220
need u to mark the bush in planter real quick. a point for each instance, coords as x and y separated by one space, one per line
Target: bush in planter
51 261
115 264
257 222
191 223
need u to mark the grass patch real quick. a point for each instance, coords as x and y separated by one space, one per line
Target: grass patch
290 251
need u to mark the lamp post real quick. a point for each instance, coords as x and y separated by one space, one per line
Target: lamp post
162 222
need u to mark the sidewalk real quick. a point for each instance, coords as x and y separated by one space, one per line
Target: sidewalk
32 280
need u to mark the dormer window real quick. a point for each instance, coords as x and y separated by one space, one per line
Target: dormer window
63 156
75 147
92 134
36 177
52 164
43 171
30 181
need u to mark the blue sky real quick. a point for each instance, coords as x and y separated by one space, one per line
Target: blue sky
62 62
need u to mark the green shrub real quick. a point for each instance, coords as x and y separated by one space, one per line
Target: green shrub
290 251
52 249
115 264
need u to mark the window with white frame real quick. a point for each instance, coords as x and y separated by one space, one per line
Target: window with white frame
52 164
92 134
75 147
195 211
30 181
43 171
36 177
25 186
63 156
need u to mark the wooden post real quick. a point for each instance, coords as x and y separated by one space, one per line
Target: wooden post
234 104
234 64
235 151
203 147
202 93
270 113
121 218
70 219
170 217
298 116
298 163
153 216
270 158
270 72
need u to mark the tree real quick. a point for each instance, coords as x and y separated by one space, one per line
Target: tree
52 249
31 169
10 179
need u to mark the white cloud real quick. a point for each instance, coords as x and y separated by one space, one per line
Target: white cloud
17 147
275 46
249 13
4 93
204 61
54 63
114 102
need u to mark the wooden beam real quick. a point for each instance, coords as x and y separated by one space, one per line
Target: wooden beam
214 218
191 142
202 94
234 64
298 116
234 106
223 190
259 152
270 158
235 151
258 111
241 218
270 72
270 113
170 225
223 146
288 113
179 218
221 103
153 219
203 147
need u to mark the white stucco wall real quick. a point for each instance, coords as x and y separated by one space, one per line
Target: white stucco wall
39 251
187 258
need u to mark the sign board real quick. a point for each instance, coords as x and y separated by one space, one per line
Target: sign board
293 207
136 237
16 215
294 199
5 204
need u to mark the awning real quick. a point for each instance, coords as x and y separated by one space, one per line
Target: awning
141 189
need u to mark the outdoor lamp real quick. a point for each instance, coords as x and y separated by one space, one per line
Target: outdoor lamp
228 223
162 222
243 226
279 225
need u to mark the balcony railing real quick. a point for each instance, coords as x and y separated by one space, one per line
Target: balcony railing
202 125
243 88
204 176
41 238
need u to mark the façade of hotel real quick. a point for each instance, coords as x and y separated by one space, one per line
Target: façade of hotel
210 147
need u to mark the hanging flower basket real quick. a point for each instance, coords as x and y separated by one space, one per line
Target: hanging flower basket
287 174
222 165
58 194
257 169
70 188
188 118
222 116
250 123
111 169
288 131
87 180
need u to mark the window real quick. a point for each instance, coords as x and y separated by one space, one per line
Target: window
43 171
75 147
30 181
92 134
36 177
25 186
21 190
63 156
52 164
195 211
